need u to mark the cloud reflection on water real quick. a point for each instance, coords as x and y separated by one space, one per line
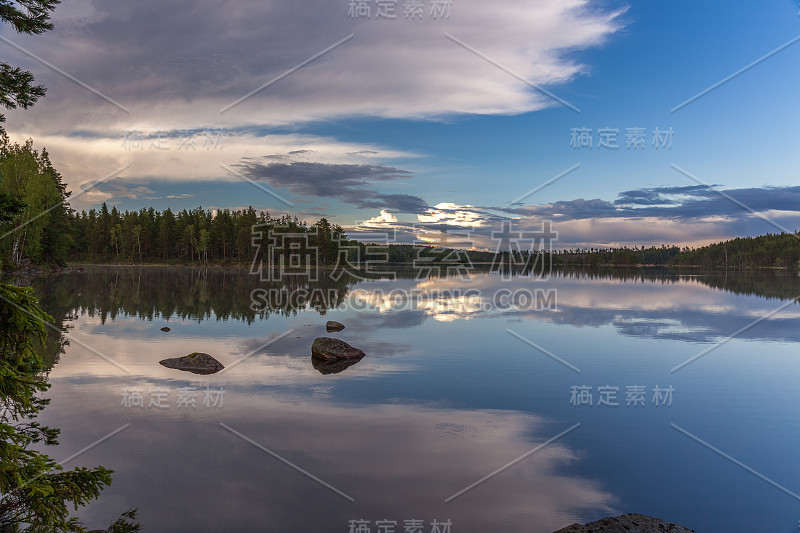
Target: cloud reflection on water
398 461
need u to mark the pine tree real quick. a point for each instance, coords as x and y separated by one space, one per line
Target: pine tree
31 17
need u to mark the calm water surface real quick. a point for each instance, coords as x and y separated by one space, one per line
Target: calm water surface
451 390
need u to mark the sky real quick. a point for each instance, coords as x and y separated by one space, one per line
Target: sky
622 123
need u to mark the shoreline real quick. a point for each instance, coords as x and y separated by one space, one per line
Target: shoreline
38 270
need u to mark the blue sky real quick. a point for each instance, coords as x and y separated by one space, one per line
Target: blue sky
399 125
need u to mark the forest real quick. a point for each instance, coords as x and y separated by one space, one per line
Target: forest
188 236
773 250
34 213
776 250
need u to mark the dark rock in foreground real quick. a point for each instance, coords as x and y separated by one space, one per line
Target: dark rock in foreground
627 523
196 363
329 349
165 329
333 367
332 325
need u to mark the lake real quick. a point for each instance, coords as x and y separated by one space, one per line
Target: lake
497 403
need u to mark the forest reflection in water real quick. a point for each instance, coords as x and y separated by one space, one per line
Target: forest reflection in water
198 294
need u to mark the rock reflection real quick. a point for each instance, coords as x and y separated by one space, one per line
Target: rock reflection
333 367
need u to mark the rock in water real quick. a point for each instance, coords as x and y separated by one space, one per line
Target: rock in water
332 325
196 363
165 329
334 366
627 523
330 349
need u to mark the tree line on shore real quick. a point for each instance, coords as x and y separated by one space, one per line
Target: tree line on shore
772 250
189 236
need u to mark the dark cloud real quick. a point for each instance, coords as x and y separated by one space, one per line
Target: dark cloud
657 195
397 203
576 209
349 183
692 202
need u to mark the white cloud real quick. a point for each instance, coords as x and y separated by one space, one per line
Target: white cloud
157 60
384 217
453 214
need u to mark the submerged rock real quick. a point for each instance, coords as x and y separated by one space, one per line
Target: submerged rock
332 325
333 366
165 328
329 349
196 363
627 523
